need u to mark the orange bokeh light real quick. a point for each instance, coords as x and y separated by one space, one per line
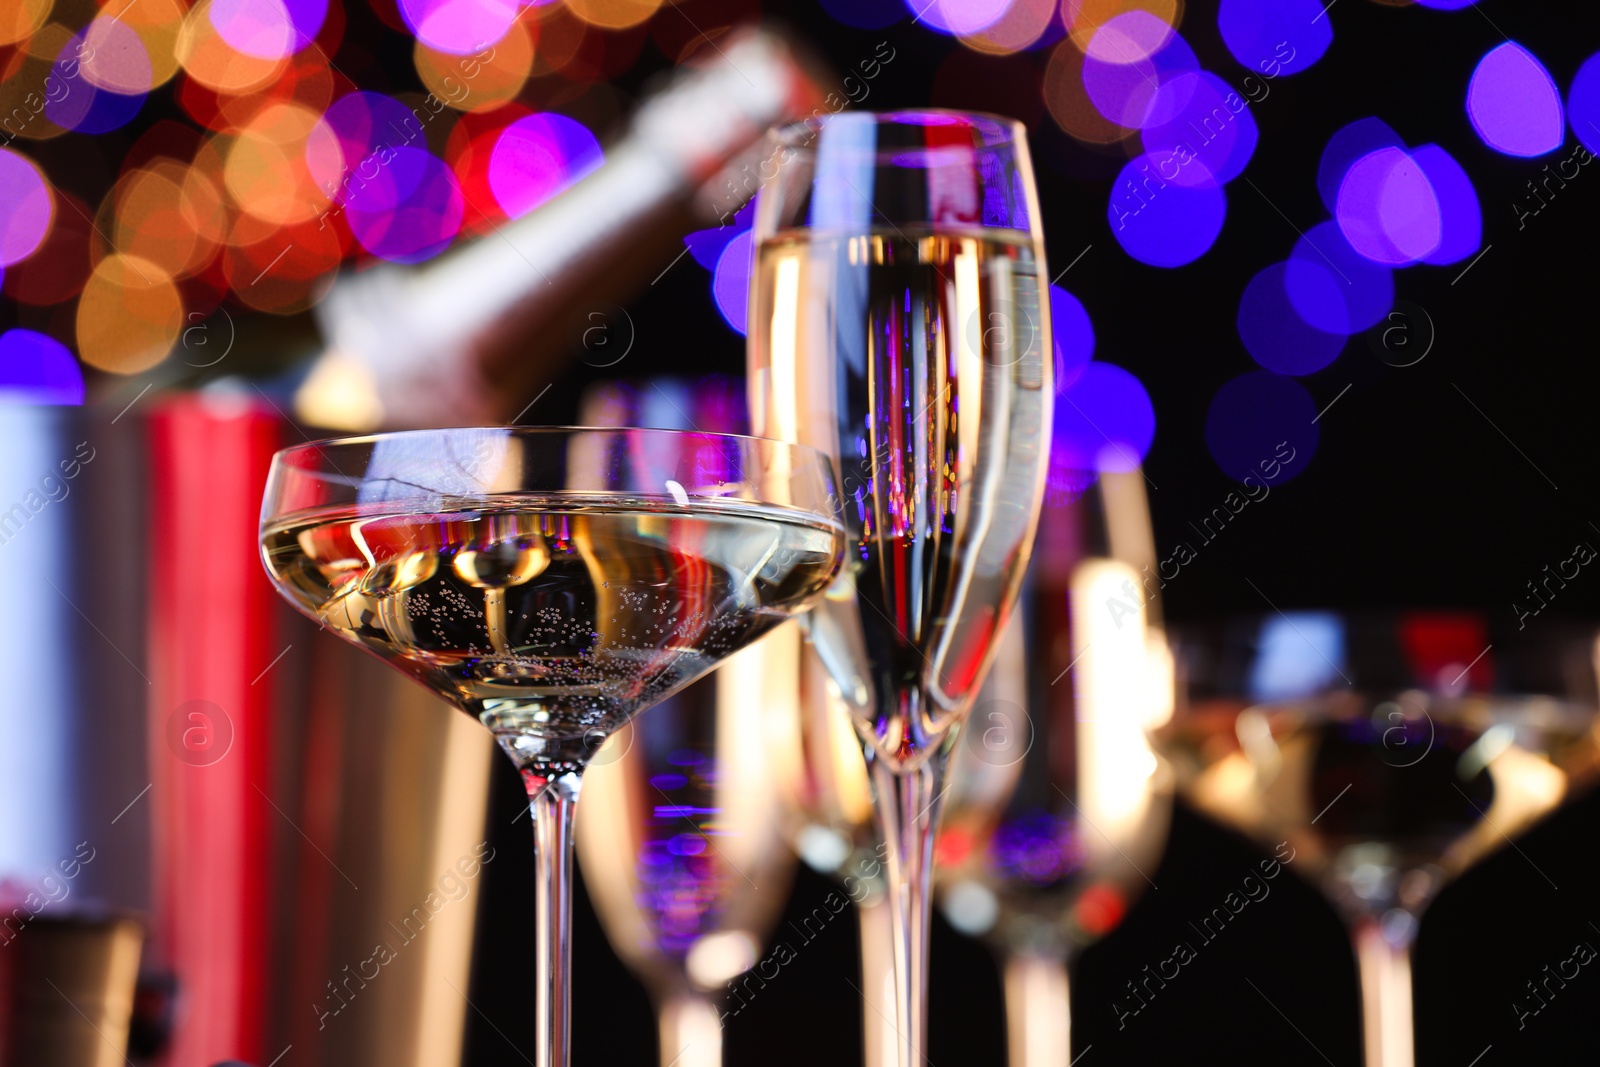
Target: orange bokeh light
129 316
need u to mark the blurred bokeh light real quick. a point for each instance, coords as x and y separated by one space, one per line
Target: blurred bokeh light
1513 103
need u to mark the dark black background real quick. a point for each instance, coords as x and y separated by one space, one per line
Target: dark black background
1413 498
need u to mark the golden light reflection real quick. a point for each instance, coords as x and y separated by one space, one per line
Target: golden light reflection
210 60
1084 17
613 14
158 23
267 172
129 316
1069 103
19 18
468 83
1023 23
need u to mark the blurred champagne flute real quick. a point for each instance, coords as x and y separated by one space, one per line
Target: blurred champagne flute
1058 808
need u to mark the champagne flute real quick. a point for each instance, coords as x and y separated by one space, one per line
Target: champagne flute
681 850
1388 753
896 323
1058 808
553 583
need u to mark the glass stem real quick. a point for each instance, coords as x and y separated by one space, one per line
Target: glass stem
908 810
1038 1011
690 1031
875 927
1385 969
553 800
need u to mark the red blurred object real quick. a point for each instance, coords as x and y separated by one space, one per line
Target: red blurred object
1099 909
212 637
1447 649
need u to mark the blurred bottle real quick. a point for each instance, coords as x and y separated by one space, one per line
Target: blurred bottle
466 340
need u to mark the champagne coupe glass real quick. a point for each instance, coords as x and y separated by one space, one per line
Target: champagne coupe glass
896 322
552 583
1381 756
1058 808
681 850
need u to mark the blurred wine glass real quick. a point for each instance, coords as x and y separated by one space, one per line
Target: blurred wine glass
682 853
1058 809
1382 755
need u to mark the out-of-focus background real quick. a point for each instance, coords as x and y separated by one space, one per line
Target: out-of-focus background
186 190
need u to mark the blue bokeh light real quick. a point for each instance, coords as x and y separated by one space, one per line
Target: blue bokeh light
38 369
1460 219
730 285
1129 60
1367 288
1073 334
1257 32
1160 222
1514 104
1360 138
1259 426
1583 104
1212 126
1104 421
1275 334
410 211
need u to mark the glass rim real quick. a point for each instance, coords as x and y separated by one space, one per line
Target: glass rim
326 443
799 134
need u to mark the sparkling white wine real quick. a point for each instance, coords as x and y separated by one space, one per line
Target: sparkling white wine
554 621
1385 801
918 359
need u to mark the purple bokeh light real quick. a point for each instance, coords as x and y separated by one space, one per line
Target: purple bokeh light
730 284
459 27
268 29
958 16
1275 334
1514 104
1583 104
1322 257
409 211
37 369
1257 32
27 207
1160 222
1387 208
1128 60
1073 336
1104 421
1360 138
1259 423
537 157
1447 5
1212 126
90 109
341 145
1460 220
